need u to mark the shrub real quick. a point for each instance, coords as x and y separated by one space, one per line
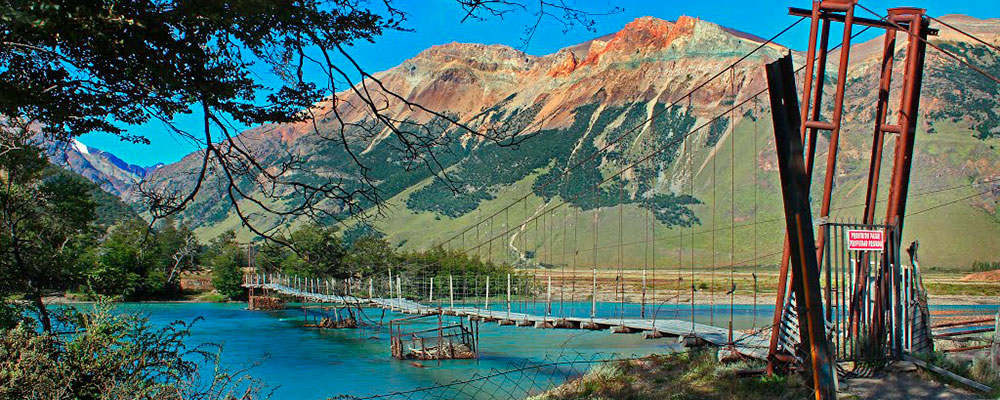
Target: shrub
114 356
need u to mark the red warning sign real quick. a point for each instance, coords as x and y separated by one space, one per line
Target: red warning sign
865 240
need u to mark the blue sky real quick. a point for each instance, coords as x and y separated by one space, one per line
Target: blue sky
438 21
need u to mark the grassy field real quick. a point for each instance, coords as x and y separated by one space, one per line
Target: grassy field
744 226
692 375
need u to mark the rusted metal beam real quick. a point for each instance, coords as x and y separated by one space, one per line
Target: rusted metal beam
907 121
969 348
815 345
908 111
875 23
966 332
834 124
961 323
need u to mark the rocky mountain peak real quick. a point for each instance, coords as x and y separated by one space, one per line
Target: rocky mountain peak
490 58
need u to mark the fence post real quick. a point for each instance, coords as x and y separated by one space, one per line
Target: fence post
995 343
593 298
548 306
508 296
488 292
451 291
642 306
432 290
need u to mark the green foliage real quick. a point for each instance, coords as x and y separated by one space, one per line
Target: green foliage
370 255
688 375
134 262
716 130
113 356
674 210
74 67
440 263
358 231
46 223
386 161
478 175
226 259
978 368
577 186
110 208
979 266
489 167
973 97
669 128
318 252
121 266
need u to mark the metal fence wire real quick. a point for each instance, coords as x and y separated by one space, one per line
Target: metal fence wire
519 380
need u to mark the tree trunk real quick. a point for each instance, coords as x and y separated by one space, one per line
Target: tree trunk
43 313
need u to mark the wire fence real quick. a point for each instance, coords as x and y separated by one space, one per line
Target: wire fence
519 380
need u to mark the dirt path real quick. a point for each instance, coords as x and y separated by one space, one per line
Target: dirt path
903 385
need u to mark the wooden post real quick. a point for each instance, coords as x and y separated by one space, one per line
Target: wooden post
451 291
390 288
548 300
593 298
508 296
488 293
994 344
432 291
371 288
799 228
642 306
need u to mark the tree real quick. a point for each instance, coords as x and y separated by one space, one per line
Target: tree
70 67
122 265
362 229
177 250
227 259
45 225
370 255
319 250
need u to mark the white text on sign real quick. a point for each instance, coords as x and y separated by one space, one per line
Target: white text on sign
865 240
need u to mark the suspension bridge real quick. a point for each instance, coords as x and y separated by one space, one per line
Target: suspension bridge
317 290
851 303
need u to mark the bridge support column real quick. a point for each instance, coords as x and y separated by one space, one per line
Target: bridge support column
815 346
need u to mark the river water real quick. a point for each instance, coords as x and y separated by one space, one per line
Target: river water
305 363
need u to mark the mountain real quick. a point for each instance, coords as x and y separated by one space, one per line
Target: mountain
107 170
110 209
693 189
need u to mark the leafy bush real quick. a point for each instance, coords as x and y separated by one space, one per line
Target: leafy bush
980 266
114 356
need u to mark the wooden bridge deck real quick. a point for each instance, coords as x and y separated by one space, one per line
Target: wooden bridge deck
748 344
